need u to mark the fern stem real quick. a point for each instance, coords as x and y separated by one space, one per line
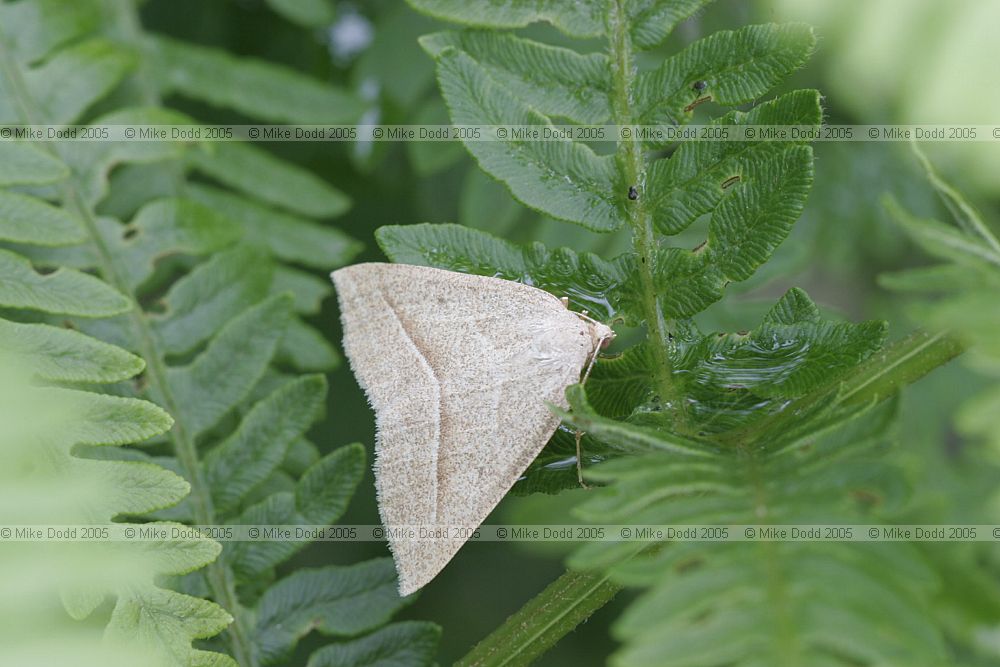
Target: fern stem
218 575
632 168
787 648
539 624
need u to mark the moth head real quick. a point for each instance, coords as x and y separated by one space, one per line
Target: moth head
602 335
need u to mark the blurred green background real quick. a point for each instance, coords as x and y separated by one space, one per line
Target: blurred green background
877 61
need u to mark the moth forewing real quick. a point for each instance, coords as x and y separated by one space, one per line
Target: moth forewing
459 370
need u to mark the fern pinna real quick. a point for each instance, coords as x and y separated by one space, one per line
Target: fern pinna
957 294
209 283
781 424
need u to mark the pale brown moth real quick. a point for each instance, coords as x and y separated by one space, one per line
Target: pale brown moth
460 370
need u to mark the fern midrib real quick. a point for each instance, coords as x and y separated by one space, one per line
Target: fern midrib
578 601
633 170
788 649
219 576
571 607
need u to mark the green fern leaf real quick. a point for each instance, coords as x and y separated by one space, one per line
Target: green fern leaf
585 279
220 377
554 81
162 228
218 339
28 220
34 29
290 238
259 445
779 424
689 184
579 19
335 600
718 585
253 87
320 497
96 491
60 355
167 620
23 163
732 68
652 21
743 232
564 179
66 291
215 291
963 287
255 172
945 241
406 644
71 81
621 383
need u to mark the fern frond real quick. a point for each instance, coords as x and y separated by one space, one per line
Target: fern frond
48 480
782 424
957 297
209 284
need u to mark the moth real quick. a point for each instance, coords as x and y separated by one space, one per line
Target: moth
460 371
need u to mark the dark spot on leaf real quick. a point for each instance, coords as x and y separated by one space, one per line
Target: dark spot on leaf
633 193
866 497
130 233
729 181
699 86
689 564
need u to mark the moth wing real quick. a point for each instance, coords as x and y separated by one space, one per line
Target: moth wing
458 369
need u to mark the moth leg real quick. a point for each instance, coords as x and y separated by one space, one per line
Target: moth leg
579 459
579 433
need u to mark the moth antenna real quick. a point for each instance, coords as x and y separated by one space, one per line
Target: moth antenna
584 316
